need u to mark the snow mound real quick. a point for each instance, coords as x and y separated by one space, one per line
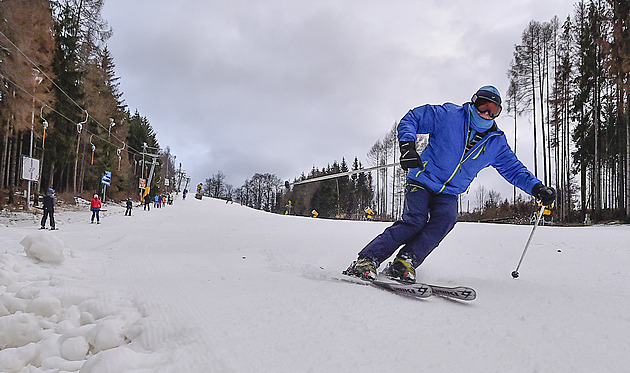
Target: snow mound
49 323
44 246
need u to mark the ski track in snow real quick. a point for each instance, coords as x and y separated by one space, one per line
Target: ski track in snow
204 286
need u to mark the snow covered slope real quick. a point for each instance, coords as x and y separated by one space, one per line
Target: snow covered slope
204 286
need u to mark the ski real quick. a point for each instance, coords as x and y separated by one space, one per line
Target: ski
426 290
418 290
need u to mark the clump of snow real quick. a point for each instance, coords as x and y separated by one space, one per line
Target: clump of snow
75 348
19 329
44 246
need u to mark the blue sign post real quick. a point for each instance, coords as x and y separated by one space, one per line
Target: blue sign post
106 180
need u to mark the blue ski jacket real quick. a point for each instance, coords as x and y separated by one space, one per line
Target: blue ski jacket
446 165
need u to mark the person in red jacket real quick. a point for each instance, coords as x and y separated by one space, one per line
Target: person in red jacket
95 206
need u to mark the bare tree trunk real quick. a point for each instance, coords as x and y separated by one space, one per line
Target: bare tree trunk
41 166
13 165
627 173
82 175
76 165
534 110
51 176
541 91
597 203
5 158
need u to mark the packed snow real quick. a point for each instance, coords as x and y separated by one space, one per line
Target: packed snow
205 286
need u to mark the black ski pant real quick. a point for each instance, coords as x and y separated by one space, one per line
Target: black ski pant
48 213
427 219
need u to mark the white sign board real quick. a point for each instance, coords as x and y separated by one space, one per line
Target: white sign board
30 168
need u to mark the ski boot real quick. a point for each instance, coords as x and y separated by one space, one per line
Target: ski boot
362 268
401 270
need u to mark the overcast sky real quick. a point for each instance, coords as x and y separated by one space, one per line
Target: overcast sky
280 86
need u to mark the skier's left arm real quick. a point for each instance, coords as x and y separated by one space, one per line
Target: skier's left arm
513 170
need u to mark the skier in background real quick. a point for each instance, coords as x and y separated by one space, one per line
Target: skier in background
49 209
147 202
95 206
129 207
463 140
369 214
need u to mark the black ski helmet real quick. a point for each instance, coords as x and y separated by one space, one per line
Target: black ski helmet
489 93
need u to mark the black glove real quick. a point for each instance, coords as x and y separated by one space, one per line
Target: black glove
409 157
547 195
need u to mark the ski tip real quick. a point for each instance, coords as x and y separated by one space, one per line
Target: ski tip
459 293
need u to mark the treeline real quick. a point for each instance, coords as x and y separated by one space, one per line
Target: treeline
59 88
574 79
262 191
344 197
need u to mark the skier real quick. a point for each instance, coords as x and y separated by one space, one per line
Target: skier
463 140
147 203
129 207
95 206
369 214
49 209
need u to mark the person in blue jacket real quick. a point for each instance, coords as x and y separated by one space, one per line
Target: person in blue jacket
463 140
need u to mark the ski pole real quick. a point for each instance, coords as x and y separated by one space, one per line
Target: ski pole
540 214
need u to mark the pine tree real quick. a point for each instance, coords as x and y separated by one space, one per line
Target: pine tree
26 50
69 95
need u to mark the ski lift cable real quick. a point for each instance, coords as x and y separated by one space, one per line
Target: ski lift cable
45 122
52 81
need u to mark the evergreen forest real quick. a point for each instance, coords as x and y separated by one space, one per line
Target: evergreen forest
60 104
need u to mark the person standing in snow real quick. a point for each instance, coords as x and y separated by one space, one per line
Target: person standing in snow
95 206
463 140
49 209
147 202
129 207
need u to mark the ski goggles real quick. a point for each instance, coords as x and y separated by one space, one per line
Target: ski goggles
484 106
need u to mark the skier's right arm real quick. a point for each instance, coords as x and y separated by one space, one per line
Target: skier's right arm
419 120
